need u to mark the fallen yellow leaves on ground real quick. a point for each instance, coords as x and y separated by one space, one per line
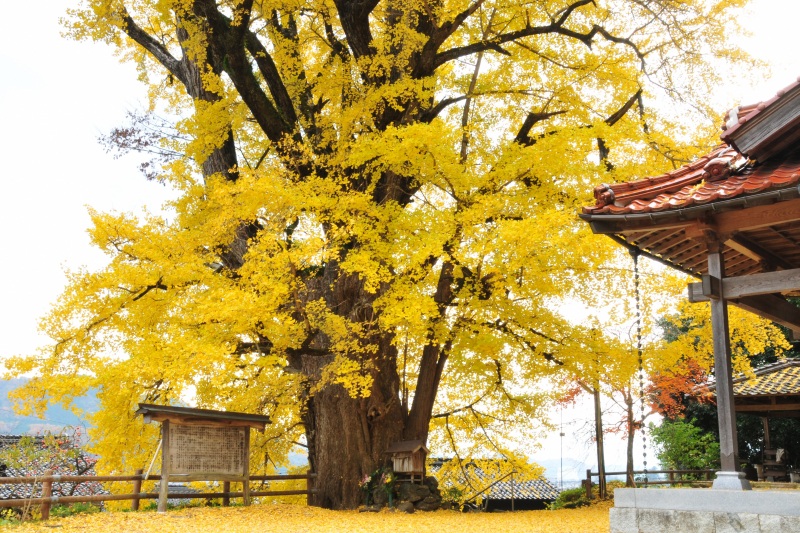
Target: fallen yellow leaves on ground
282 518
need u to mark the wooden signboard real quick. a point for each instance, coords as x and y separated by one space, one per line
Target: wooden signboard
207 450
203 445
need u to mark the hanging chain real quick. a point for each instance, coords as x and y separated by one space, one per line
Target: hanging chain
635 254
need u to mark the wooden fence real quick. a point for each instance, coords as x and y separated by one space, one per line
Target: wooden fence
674 477
46 500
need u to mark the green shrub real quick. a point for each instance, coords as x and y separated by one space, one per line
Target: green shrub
571 499
75 508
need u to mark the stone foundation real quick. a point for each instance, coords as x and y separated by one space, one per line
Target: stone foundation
705 511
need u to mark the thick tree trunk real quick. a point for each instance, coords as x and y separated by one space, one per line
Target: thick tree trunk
347 436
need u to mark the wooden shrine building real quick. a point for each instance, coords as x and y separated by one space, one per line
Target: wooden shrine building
203 445
408 458
731 219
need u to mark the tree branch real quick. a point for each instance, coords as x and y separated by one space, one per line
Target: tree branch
354 17
149 43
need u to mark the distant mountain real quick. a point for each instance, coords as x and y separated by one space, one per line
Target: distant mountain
55 418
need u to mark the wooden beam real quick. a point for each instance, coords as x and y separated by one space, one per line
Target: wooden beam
756 252
731 222
606 227
711 287
770 306
767 408
737 287
773 307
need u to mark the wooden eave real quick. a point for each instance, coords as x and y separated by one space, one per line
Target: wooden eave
207 417
769 128
760 232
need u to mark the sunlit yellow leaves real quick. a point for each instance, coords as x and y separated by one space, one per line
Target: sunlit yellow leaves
750 335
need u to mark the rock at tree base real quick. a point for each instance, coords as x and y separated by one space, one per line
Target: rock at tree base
406 507
424 497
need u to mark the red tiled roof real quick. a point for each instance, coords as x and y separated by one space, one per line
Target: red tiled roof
724 173
720 175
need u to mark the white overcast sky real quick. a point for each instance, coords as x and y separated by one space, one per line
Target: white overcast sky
57 96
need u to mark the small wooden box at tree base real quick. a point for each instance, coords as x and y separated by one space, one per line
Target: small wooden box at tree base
408 458
203 445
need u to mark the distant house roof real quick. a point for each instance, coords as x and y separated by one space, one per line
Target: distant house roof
533 489
81 463
537 489
773 392
159 413
782 377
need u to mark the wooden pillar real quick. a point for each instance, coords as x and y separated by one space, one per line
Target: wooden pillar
587 483
47 493
729 452
163 489
310 488
246 473
226 490
729 477
137 489
765 421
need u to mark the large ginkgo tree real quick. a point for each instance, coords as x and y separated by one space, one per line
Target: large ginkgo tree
375 214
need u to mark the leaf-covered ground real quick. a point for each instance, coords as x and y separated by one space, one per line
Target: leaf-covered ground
301 519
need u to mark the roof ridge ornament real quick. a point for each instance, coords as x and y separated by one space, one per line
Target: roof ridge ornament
717 169
604 195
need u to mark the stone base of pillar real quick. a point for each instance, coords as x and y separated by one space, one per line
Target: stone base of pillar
731 481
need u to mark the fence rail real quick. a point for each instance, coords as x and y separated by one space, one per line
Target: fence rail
46 500
674 477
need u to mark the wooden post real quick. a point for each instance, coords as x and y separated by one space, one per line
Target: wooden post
729 477
512 491
163 489
598 431
47 492
588 483
246 473
729 452
137 489
309 489
226 489
765 422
